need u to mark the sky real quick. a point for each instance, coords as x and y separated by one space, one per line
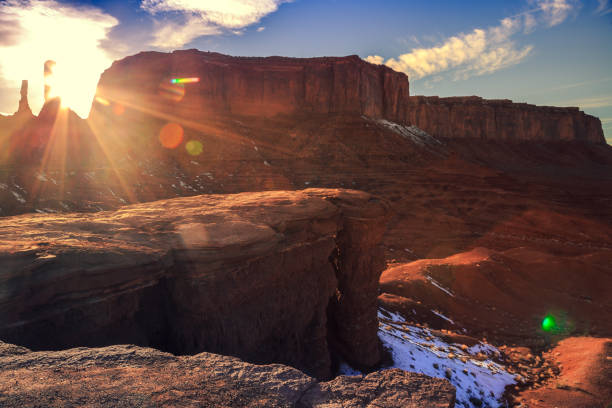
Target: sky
545 52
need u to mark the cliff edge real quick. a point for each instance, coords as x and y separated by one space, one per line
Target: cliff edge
278 85
287 277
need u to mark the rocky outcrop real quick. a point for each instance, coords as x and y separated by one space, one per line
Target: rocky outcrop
24 106
276 85
501 120
254 86
119 376
249 275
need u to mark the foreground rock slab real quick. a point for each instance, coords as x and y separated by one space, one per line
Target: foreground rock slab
285 277
130 376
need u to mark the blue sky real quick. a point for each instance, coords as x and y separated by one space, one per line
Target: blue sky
553 52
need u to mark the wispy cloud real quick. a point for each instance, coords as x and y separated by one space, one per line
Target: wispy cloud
483 50
554 12
591 103
36 30
174 33
179 22
603 7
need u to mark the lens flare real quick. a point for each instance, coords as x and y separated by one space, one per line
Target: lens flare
118 109
184 80
172 91
549 323
171 135
194 147
102 101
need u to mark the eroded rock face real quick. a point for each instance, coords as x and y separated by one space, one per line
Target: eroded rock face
246 275
502 120
254 86
266 87
136 376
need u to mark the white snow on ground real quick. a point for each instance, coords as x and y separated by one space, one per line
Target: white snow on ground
18 197
412 133
437 285
471 370
418 350
442 316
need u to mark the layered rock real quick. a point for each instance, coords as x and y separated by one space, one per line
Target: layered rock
501 120
275 85
255 86
135 376
249 275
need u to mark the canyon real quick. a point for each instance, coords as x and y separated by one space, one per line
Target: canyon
244 233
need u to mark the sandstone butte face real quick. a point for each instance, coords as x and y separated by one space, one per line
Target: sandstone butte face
277 85
135 376
268 277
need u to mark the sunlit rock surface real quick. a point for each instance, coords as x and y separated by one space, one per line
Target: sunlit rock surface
268 277
119 376
270 86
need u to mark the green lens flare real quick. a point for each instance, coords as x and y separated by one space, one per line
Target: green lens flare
194 147
549 324
184 80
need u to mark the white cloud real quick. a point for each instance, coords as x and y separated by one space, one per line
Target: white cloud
554 12
475 53
481 51
529 22
260 29
174 34
46 29
196 18
375 59
591 103
603 7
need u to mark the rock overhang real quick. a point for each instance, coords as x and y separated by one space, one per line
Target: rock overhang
246 274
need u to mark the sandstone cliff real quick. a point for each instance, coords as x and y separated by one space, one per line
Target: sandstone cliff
257 86
502 120
122 376
277 85
250 275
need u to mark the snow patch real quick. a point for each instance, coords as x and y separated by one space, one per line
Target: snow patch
419 350
437 285
411 133
442 316
18 197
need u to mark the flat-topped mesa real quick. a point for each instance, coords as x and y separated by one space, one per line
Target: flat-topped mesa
256 86
279 85
501 119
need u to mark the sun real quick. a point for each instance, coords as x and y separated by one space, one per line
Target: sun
73 85
73 37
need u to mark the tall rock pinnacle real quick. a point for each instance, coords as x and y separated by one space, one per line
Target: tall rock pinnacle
48 72
24 106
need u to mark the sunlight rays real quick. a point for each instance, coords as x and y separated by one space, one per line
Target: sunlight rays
113 97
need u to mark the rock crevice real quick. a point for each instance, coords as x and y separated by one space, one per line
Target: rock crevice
246 275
